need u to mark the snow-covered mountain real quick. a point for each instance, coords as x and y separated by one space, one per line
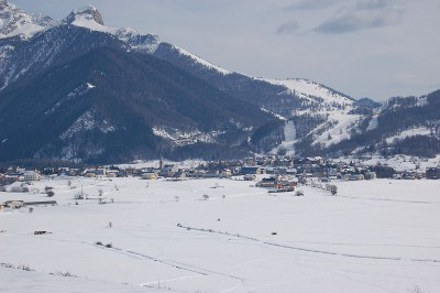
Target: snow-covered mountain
315 95
111 99
88 17
408 126
333 124
333 109
15 22
295 116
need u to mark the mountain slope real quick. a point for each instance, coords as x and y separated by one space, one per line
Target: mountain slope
110 105
320 115
182 106
50 48
401 126
251 90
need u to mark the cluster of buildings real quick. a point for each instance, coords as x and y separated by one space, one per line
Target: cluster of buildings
306 168
278 183
276 167
14 174
330 170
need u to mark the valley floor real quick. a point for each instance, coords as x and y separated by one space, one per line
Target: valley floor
223 236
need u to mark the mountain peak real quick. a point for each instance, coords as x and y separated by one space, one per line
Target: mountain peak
14 21
85 17
4 4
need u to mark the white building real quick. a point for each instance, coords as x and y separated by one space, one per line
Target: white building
31 176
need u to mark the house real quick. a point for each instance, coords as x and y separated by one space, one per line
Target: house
101 171
285 185
49 171
357 177
370 175
315 160
255 170
249 177
112 173
346 177
227 173
180 175
149 176
14 204
29 176
292 171
8 179
169 169
41 203
280 170
15 173
269 182
409 176
196 173
212 174
63 169
74 172
90 174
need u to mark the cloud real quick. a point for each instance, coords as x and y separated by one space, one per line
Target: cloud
356 22
311 4
288 28
373 4
324 4
365 14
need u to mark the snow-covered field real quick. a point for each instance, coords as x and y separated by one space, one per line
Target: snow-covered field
376 236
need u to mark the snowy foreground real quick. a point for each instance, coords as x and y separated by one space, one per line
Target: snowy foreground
377 236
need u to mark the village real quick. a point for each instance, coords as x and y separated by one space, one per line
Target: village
276 174
315 168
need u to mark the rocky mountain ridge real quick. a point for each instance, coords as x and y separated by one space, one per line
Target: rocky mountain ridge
290 116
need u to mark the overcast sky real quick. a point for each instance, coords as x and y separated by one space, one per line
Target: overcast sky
373 48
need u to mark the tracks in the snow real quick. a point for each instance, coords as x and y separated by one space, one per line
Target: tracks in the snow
173 264
387 199
324 252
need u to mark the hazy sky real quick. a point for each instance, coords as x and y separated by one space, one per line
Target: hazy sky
374 48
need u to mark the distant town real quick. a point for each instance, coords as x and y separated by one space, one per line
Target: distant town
304 171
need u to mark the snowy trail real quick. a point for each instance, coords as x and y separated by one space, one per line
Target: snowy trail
387 199
366 244
131 254
174 264
169 280
200 272
315 251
